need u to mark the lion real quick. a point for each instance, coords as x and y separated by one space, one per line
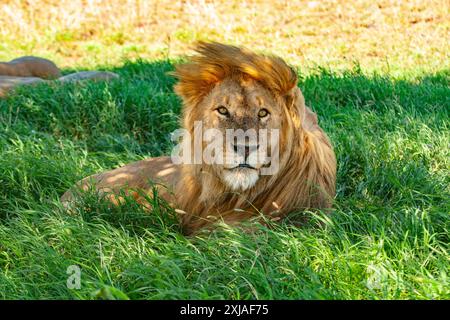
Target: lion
25 71
32 70
226 87
30 66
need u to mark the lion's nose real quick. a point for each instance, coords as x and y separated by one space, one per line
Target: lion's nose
244 149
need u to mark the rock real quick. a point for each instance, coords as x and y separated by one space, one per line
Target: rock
92 75
30 67
7 83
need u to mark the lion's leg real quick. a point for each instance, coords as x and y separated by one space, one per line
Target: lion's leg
136 180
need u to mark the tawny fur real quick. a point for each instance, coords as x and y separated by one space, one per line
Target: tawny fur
306 178
30 67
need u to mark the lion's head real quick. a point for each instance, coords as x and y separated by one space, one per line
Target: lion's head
228 88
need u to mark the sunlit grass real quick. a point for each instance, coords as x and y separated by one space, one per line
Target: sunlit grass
392 36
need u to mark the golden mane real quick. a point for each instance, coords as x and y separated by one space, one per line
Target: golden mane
216 61
307 176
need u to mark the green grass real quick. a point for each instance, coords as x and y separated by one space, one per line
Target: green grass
388 237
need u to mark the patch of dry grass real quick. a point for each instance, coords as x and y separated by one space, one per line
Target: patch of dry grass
385 35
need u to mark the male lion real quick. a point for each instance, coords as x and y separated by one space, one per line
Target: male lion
226 87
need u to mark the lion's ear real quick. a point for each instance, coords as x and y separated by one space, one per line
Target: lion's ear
295 104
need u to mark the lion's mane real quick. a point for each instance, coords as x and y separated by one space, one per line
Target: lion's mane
307 174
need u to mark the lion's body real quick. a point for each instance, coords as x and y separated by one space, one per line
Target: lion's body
204 193
30 67
34 70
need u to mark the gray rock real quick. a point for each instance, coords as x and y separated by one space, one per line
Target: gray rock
7 83
91 75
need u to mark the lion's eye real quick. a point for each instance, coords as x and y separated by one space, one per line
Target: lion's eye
263 113
222 110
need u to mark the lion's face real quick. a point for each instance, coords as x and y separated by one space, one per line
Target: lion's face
248 117
251 101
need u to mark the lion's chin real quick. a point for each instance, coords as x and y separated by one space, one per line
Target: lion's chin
240 179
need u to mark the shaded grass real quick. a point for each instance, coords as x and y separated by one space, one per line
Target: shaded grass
388 237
